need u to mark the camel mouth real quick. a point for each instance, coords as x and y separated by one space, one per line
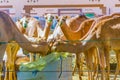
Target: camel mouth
49 20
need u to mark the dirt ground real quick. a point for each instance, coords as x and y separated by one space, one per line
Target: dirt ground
76 77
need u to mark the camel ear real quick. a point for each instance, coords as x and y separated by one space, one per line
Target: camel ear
58 20
56 17
67 17
52 17
45 16
18 20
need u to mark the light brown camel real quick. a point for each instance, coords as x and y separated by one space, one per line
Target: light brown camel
83 27
99 36
76 21
101 18
32 28
84 31
9 32
73 24
28 26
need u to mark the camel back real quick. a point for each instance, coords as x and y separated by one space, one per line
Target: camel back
75 22
95 23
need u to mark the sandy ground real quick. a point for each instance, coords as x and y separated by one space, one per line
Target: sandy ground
76 77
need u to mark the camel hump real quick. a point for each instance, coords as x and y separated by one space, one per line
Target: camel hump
115 15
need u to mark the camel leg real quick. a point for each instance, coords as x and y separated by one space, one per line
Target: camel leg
8 53
37 56
6 73
78 65
102 62
75 65
11 50
93 59
118 64
91 64
2 49
95 74
31 57
107 56
1 71
88 63
74 69
14 51
81 64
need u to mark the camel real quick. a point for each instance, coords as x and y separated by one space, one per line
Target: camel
83 31
99 36
34 29
83 27
73 23
28 25
9 32
102 18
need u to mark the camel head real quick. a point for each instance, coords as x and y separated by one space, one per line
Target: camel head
49 18
74 22
62 20
82 15
22 24
66 46
24 21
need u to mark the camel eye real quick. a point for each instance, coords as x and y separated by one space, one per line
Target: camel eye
63 19
20 22
26 21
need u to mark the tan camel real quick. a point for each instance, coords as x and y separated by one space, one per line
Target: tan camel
101 18
83 28
85 25
32 28
83 32
73 23
28 26
9 32
99 36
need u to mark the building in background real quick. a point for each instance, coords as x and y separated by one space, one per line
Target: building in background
17 8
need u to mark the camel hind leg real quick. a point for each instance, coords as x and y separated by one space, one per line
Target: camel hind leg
78 61
2 51
95 59
107 57
118 63
102 62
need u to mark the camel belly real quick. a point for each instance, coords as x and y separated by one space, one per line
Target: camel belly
115 44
